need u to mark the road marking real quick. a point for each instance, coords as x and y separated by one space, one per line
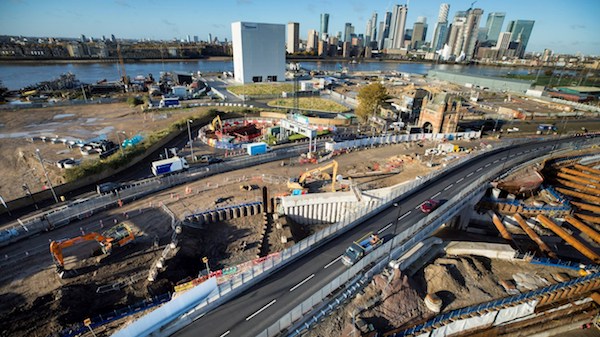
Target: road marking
435 195
497 160
301 283
503 158
470 174
225 333
448 187
488 164
260 310
384 228
459 180
479 169
332 262
404 216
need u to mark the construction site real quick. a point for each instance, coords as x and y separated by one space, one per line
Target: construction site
539 214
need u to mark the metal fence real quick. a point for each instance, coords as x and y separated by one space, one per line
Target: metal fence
406 240
495 305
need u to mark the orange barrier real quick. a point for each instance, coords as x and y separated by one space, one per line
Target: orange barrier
582 188
581 174
589 218
500 226
533 235
579 195
584 228
569 239
577 179
588 169
587 207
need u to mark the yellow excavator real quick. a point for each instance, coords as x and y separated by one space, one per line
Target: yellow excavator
216 124
117 236
298 184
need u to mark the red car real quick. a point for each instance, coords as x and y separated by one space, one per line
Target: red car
429 206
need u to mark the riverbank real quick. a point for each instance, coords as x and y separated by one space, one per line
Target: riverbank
114 60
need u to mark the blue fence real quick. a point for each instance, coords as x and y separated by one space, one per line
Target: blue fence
563 264
456 314
100 320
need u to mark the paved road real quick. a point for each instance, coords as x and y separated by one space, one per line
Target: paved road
263 304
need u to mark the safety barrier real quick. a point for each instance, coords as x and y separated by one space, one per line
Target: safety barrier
80 209
114 315
497 304
408 238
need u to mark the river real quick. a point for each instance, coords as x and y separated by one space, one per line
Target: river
18 75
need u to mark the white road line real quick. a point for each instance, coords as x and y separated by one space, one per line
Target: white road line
479 169
448 187
260 310
459 180
384 228
225 333
332 262
470 174
497 160
435 195
404 215
488 164
301 283
503 158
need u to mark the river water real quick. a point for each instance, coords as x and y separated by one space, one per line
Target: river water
18 75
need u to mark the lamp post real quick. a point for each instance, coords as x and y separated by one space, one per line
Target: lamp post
37 151
28 192
121 143
190 135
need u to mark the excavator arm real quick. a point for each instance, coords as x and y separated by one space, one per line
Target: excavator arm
56 247
333 164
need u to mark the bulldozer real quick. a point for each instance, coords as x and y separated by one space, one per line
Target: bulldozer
117 236
298 183
216 124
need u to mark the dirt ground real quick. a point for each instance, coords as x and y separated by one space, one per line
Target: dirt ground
49 303
19 163
459 281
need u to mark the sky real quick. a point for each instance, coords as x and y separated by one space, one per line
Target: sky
563 26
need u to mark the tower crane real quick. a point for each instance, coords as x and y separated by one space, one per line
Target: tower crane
122 72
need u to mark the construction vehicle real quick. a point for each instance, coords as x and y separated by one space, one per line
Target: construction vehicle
216 124
298 184
358 249
117 236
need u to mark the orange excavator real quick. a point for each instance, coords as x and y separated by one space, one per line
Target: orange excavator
117 236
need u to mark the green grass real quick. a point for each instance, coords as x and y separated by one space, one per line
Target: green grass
553 81
119 159
310 103
261 89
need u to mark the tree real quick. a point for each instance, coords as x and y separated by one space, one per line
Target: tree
370 98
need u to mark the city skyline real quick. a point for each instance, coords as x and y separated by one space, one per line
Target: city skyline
569 30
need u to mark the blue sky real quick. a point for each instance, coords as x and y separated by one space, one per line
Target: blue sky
563 26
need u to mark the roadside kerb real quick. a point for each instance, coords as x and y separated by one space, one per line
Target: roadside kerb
245 280
449 209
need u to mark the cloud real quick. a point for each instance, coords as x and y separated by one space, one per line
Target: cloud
574 27
122 3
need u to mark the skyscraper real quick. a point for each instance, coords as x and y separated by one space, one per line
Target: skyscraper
312 41
348 31
494 25
371 30
324 23
384 29
419 33
397 26
521 31
471 31
441 28
293 37
455 34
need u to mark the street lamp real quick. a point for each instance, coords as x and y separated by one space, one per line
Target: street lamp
121 143
190 135
46 173
28 192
